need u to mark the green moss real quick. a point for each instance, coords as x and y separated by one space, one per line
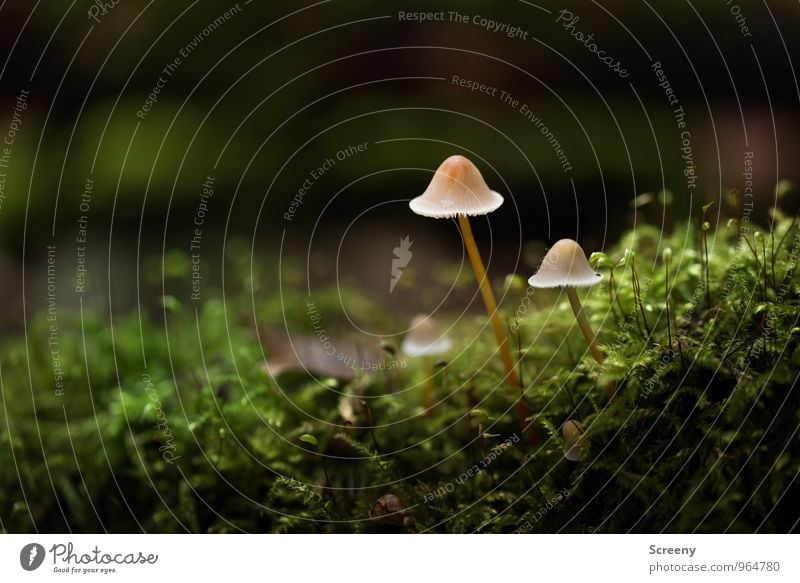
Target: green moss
702 435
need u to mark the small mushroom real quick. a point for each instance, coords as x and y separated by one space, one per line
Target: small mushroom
425 341
566 266
458 190
574 446
389 509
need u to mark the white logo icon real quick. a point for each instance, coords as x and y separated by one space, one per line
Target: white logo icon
402 255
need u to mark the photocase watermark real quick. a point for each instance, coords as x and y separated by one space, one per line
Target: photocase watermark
687 154
738 17
527 526
569 21
496 26
402 257
510 30
183 53
522 308
679 117
67 560
206 194
473 471
749 195
100 8
31 556
520 107
53 338
14 127
167 447
82 235
323 168
329 348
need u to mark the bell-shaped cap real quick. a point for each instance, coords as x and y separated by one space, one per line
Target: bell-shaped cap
565 265
424 338
457 188
389 509
574 446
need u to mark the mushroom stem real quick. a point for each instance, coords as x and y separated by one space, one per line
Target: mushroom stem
488 300
583 323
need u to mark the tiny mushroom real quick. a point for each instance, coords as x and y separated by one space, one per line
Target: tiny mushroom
459 190
389 510
566 266
424 340
574 446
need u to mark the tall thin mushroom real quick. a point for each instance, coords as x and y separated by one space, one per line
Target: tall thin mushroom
458 190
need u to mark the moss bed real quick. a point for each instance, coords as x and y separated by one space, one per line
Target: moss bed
702 435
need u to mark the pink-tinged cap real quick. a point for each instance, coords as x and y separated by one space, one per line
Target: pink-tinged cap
457 188
565 265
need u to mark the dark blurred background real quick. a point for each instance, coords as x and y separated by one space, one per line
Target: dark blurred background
264 93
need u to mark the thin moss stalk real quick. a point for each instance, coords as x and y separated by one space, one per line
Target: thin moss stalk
764 252
736 194
599 260
667 293
371 426
637 292
704 228
430 387
753 250
786 234
772 250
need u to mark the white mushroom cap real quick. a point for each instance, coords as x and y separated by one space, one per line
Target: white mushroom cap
565 265
574 447
424 339
457 188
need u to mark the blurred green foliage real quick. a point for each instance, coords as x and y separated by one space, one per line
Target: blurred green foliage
702 435
277 89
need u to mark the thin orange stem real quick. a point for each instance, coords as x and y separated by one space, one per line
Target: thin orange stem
583 323
488 300
427 396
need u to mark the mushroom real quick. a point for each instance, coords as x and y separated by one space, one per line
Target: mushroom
389 510
424 341
458 190
574 446
566 266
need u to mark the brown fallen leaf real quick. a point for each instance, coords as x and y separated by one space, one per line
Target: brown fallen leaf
299 353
